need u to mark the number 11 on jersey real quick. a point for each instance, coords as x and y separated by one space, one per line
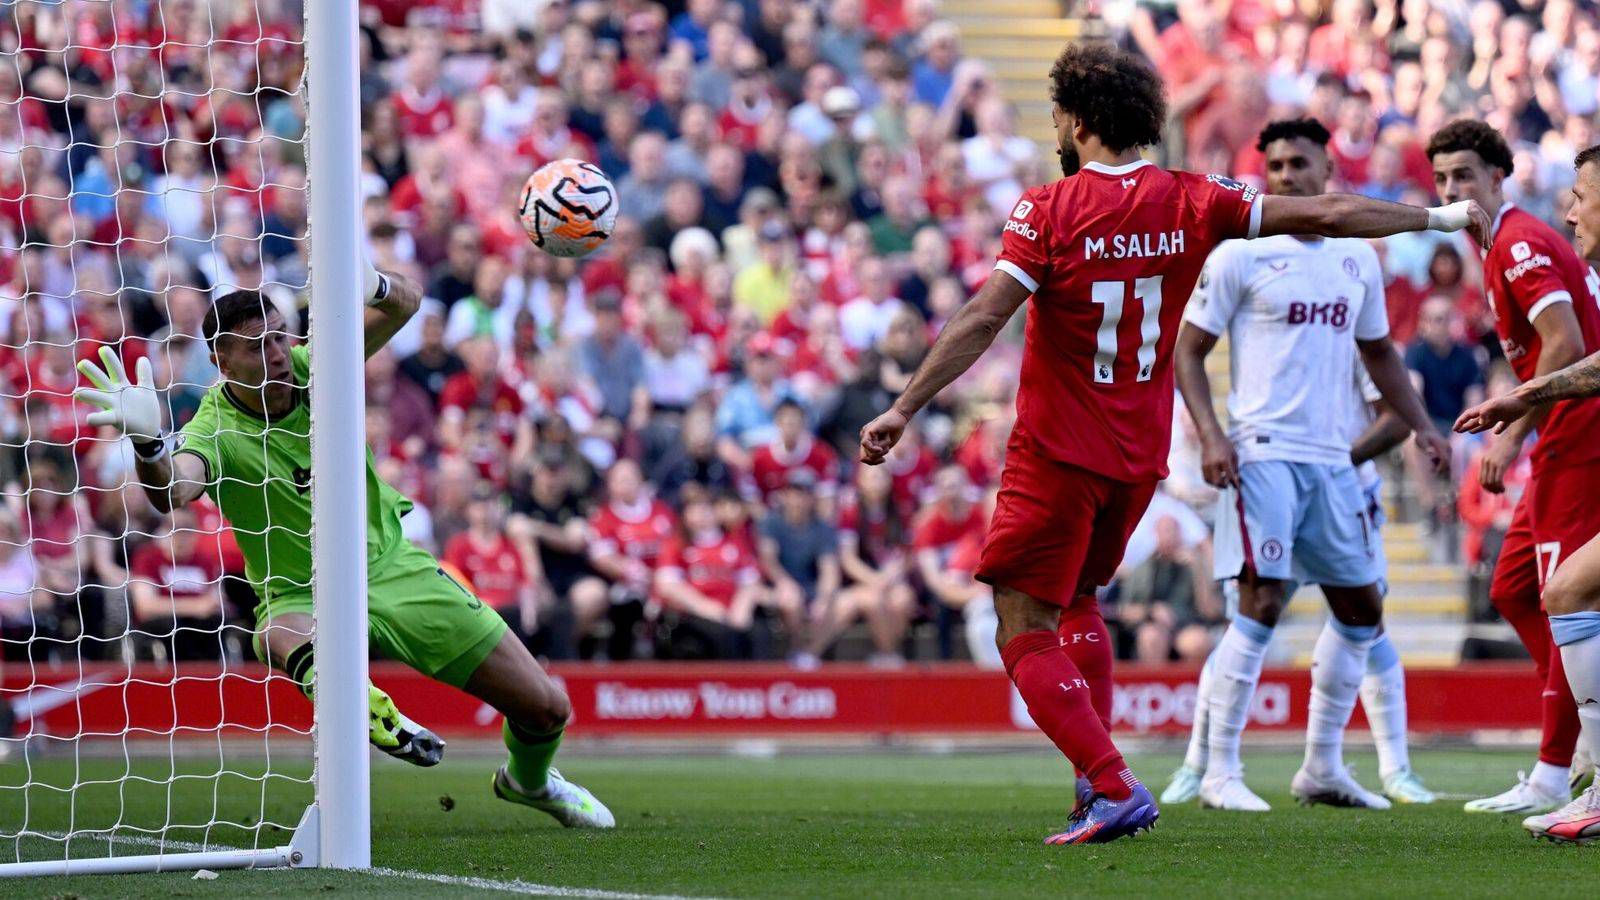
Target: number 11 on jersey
1111 296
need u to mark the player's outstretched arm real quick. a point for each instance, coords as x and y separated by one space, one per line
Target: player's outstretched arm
1389 374
1219 462
133 408
1351 215
392 299
1560 345
1581 379
964 338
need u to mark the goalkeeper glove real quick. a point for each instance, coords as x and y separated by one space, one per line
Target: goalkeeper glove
133 408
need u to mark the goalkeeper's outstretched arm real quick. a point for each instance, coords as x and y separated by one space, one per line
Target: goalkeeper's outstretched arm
170 480
390 304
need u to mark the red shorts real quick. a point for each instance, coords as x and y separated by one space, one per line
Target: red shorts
1559 513
1058 531
1517 575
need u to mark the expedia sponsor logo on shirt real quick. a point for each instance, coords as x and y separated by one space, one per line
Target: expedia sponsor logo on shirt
1022 228
1527 261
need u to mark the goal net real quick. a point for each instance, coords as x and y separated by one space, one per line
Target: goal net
154 155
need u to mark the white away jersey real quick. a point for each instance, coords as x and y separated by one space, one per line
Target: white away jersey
1365 393
1292 311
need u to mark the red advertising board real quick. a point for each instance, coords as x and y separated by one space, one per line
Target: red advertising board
722 700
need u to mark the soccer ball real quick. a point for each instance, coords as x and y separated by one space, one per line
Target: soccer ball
568 208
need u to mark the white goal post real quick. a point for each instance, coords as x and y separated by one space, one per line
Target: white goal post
334 830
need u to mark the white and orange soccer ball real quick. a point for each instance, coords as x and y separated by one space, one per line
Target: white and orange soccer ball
568 208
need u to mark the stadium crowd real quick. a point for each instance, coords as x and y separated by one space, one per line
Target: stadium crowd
651 451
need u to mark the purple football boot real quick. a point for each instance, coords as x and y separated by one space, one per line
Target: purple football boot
1102 819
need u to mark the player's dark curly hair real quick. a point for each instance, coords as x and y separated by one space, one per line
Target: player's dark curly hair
1475 135
1291 129
1115 94
229 312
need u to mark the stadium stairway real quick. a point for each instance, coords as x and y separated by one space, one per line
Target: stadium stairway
1019 39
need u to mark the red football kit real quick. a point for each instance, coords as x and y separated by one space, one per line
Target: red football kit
495 571
1530 268
1111 255
771 465
639 531
717 565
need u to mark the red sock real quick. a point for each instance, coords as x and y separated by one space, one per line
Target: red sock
1561 723
1058 698
1559 712
1083 635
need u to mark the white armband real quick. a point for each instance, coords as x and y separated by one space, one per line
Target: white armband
1453 217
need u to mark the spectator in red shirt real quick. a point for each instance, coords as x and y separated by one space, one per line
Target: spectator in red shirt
493 563
710 581
481 386
873 560
425 110
630 530
176 589
950 517
793 449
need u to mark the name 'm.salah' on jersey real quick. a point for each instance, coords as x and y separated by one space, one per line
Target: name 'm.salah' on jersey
1111 255
1528 269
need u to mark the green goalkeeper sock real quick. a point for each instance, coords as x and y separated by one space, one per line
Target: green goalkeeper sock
530 755
300 668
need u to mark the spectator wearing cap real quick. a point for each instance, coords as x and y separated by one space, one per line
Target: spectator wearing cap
763 287
800 557
744 417
710 582
793 449
865 320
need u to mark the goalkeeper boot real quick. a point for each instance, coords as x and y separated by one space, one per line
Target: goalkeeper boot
570 804
1576 823
1183 786
1104 819
397 735
1405 787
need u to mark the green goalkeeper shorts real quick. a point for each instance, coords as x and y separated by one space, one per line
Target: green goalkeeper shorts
416 614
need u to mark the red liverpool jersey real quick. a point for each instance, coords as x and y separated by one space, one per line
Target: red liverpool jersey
637 532
495 570
772 464
716 565
1111 255
1528 268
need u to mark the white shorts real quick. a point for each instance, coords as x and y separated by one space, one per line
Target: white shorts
1303 522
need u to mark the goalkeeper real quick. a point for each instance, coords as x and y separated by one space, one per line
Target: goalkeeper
249 448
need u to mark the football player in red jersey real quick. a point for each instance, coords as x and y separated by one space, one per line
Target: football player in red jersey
1546 316
1572 592
1110 254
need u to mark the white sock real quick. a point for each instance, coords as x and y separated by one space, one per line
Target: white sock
1383 696
1578 636
1195 756
1337 665
1549 779
1235 670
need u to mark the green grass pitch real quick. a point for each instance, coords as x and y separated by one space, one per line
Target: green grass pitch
889 825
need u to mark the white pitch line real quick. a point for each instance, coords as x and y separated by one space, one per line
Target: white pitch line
514 886
518 886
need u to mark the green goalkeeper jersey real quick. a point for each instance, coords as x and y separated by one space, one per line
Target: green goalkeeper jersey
259 474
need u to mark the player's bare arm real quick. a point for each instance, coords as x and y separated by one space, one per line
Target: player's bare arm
964 339
1350 215
1389 374
1581 379
391 304
1386 432
1560 345
1219 462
